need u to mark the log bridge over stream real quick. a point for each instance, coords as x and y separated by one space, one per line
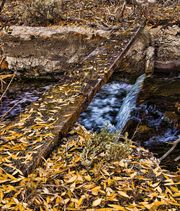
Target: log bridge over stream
36 132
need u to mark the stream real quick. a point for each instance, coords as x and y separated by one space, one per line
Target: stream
115 107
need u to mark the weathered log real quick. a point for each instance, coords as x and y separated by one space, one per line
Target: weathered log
133 63
51 117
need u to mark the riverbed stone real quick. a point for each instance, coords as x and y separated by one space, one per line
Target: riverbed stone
164 93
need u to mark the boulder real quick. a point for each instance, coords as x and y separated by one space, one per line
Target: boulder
156 50
134 61
167 42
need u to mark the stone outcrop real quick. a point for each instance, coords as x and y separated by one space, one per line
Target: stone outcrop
35 51
167 42
166 56
135 60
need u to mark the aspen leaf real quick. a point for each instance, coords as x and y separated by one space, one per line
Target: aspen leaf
87 177
80 201
176 195
72 179
123 194
96 190
96 202
117 207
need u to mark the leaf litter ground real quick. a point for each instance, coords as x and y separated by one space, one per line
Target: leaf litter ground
64 183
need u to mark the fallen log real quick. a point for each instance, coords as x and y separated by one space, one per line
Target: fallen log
133 63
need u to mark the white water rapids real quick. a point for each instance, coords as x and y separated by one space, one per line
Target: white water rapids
112 106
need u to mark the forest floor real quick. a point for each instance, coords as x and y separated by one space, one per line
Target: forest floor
104 13
65 181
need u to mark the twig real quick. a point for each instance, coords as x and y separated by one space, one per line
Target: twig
123 8
178 158
137 126
170 150
7 87
3 142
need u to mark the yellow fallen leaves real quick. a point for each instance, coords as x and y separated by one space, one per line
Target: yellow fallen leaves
96 202
121 193
58 108
63 183
117 207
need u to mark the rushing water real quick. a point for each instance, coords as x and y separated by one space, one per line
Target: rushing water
105 106
112 106
115 104
129 104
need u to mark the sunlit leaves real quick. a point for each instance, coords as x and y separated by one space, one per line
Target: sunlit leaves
135 183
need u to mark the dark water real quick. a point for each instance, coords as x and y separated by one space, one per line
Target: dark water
19 97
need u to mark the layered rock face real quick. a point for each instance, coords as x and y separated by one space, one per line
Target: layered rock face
35 51
166 43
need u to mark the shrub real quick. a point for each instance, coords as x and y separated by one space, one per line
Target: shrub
105 145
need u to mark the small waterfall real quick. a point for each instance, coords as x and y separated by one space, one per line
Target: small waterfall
105 106
129 104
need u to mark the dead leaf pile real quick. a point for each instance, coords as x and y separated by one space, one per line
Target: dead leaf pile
63 183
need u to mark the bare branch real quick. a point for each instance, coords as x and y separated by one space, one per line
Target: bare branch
178 158
170 150
7 87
